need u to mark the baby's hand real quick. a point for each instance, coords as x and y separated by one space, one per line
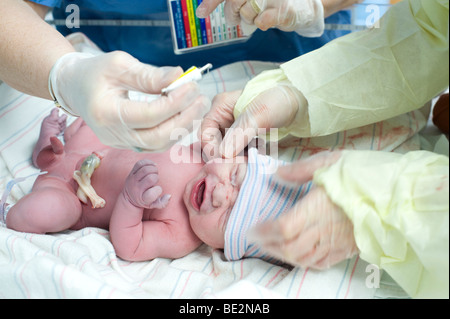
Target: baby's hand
140 187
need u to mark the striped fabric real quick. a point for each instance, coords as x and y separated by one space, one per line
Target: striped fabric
262 198
20 120
83 264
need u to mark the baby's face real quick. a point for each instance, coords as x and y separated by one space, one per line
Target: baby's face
210 197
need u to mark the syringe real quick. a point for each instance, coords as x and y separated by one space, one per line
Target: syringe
193 74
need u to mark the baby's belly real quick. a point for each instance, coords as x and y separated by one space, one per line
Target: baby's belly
108 180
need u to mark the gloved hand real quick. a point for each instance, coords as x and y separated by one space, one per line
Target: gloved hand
216 122
315 233
96 88
306 17
274 108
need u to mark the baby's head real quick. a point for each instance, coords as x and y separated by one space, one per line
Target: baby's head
226 200
210 197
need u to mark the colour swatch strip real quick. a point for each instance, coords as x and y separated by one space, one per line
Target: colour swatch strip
191 32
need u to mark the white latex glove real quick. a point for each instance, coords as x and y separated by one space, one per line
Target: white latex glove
274 108
216 122
97 87
306 17
315 233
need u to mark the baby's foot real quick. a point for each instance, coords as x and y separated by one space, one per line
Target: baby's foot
52 125
140 187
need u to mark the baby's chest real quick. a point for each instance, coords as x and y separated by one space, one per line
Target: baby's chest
175 213
113 170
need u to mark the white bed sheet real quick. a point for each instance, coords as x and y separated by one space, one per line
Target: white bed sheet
83 264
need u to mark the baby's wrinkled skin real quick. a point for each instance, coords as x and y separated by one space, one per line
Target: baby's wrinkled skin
211 195
143 220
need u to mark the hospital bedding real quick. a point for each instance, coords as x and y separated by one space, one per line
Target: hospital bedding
83 264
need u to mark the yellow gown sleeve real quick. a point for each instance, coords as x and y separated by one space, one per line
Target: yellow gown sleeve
399 206
369 76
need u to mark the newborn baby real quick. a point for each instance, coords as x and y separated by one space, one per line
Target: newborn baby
91 185
252 195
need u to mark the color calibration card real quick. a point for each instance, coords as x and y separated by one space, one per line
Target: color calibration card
191 33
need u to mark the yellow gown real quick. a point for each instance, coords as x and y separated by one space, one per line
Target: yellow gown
399 204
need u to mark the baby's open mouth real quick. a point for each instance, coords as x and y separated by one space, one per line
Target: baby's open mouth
197 194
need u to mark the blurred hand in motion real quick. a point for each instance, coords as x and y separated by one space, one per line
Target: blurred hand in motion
315 233
97 89
304 16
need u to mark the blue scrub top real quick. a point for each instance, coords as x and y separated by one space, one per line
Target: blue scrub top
154 45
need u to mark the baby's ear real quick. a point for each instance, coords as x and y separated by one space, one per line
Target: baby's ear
50 154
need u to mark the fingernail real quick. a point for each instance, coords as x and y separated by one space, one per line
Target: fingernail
166 198
284 170
187 93
226 151
281 177
201 12
254 236
171 72
284 177
161 202
207 138
265 234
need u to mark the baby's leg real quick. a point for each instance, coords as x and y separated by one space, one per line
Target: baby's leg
131 238
73 128
48 209
51 126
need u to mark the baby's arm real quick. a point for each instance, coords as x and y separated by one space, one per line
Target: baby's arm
73 129
138 240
